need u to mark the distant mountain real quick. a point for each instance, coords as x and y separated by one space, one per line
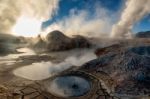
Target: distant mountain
9 43
143 34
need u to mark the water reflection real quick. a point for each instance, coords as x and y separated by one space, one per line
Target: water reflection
43 70
10 59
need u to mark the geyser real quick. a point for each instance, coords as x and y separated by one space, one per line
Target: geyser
134 11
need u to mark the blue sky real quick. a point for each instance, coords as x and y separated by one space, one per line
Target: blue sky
65 6
143 25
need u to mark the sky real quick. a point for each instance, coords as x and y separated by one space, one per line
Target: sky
143 25
65 6
114 6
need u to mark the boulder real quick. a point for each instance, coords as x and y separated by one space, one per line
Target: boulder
57 41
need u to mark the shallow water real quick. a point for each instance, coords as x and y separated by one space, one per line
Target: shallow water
23 52
10 59
40 71
44 70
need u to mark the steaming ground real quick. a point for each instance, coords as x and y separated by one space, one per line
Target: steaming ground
27 67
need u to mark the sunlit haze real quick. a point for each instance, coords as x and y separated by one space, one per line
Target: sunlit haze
27 26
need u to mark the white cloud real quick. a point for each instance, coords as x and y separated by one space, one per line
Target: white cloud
11 10
83 22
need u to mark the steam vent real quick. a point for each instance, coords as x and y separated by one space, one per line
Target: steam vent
76 85
69 86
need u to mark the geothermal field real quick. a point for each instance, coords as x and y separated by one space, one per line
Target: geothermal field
75 49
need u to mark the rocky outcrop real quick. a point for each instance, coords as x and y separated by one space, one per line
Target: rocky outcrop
57 41
129 67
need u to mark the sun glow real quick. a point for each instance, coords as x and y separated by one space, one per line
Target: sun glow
27 26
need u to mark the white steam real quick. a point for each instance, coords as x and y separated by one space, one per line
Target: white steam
80 22
11 10
43 70
134 11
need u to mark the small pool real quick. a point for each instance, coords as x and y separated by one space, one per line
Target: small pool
69 86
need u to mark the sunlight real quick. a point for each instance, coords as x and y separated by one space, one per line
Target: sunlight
27 26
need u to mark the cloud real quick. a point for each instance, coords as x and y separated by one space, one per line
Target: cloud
96 23
11 10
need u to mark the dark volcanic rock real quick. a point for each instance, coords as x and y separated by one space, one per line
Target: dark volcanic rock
129 67
57 41
141 50
107 50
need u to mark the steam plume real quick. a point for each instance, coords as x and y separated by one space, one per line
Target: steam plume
81 22
11 10
134 11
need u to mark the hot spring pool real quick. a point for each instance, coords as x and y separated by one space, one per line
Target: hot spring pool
69 86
